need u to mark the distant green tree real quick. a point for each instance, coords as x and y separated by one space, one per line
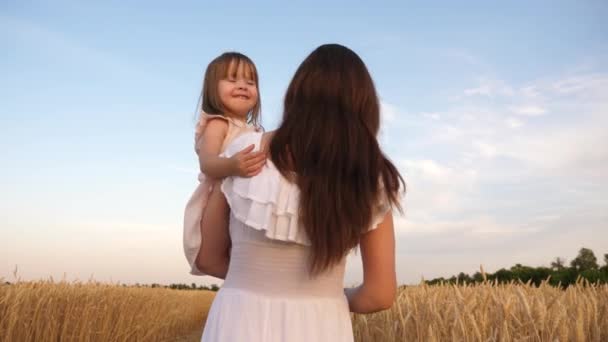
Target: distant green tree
503 276
464 278
558 264
593 276
437 281
521 272
585 260
604 268
540 274
564 278
584 266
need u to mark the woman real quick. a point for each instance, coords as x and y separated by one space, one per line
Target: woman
326 189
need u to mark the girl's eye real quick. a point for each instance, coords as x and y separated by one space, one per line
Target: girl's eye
251 83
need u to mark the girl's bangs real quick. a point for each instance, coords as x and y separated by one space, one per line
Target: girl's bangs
231 68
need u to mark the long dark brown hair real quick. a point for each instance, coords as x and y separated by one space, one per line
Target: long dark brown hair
328 140
221 68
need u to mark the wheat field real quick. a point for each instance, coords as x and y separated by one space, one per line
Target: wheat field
491 312
61 311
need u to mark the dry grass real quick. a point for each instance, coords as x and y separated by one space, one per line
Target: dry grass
491 312
48 311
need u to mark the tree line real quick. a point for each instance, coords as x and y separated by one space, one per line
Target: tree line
585 266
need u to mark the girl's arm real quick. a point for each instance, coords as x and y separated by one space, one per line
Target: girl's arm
244 163
214 254
209 147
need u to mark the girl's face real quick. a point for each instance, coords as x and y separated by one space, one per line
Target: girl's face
238 91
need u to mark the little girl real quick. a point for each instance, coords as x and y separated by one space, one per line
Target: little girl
230 92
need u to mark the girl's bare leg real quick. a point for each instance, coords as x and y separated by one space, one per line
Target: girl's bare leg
214 254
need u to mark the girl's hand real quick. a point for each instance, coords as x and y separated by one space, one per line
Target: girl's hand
247 163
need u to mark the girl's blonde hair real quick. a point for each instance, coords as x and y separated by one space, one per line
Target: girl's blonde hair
220 68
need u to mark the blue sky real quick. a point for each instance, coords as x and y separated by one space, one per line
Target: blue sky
496 115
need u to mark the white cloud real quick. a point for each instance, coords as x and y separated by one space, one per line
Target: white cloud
578 148
388 112
434 188
572 141
432 116
479 227
530 92
427 169
447 132
529 110
581 83
490 87
483 89
490 176
390 116
485 149
514 123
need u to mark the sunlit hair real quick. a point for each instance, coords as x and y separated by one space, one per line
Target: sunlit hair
328 141
222 67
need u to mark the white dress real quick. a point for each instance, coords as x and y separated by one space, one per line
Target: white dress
267 294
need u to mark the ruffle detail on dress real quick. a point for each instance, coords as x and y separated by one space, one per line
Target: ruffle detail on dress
267 202
270 202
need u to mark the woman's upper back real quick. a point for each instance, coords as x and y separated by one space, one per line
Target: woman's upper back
270 251
268 201
268 241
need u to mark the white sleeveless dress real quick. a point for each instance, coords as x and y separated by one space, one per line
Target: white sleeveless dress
267 294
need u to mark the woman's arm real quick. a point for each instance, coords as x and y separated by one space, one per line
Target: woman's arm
244 163
379 286
214 254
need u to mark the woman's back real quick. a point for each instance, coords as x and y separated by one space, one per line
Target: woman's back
268 294
275 267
